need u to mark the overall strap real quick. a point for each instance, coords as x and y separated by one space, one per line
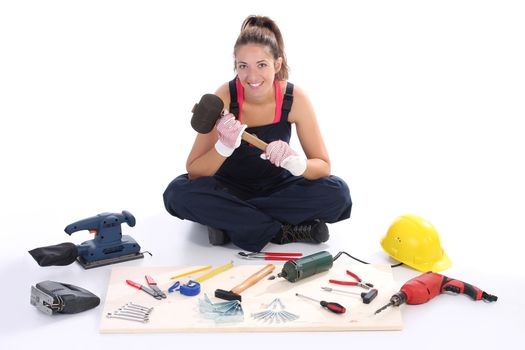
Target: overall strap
286 107
287 102
234 104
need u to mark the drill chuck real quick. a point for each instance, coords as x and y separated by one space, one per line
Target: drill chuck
398 299
296 270
395 300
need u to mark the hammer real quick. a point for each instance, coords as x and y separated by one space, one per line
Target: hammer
208 111
234 294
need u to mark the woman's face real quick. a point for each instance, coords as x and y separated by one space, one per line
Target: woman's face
256 69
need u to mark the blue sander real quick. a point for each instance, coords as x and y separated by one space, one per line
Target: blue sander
108 247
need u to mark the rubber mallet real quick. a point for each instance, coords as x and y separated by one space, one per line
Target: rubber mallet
234 294
208 111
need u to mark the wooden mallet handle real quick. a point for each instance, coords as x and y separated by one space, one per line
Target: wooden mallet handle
256 277
254 140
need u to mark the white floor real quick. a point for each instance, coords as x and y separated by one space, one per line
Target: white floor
420 106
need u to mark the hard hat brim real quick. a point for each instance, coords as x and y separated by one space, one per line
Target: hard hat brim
440 265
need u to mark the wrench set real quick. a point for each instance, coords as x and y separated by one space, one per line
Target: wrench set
132 312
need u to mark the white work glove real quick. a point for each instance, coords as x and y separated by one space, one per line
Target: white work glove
280 154
230 132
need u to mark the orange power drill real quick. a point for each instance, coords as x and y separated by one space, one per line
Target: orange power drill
424 287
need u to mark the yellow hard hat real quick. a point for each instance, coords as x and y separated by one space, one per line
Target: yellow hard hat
415 242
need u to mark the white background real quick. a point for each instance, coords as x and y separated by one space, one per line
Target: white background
419 103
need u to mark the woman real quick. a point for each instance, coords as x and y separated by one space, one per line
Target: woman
243 194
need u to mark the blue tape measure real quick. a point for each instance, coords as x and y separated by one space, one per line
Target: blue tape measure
190 289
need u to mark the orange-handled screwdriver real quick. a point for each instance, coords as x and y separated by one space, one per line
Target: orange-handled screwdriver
330 306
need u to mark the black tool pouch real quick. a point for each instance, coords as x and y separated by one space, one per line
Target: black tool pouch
55 255
53 297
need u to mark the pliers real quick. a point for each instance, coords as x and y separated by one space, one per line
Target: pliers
154 291
270 256
359 283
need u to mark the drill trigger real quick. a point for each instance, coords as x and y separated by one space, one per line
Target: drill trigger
452 289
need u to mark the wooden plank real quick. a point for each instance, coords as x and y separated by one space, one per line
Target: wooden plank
179 313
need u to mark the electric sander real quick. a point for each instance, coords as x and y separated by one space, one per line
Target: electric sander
108 247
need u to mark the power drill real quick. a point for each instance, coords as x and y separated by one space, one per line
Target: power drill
424 287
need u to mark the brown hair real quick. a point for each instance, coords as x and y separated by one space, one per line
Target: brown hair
263 30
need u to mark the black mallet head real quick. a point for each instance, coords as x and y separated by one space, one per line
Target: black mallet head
206 113
227 295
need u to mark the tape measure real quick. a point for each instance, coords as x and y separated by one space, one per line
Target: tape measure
190 289
193 288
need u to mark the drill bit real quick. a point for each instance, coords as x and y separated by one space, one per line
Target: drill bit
383 308
395 300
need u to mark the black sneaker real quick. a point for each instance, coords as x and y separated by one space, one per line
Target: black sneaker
314 231
217 237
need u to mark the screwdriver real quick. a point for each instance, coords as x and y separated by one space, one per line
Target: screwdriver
365 297
330 306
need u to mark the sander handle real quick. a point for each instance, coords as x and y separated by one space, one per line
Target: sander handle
256 277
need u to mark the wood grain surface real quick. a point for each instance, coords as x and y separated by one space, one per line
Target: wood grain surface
179 313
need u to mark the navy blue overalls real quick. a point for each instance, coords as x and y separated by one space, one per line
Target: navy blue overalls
250 198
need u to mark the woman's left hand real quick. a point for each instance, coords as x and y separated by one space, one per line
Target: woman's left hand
280 154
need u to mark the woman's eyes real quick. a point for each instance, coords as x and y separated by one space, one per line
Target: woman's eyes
260 65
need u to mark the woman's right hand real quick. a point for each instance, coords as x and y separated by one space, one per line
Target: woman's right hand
230 132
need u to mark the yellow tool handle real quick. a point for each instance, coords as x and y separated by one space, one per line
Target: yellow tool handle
256 277
214 272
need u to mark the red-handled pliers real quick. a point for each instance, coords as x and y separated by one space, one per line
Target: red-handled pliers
271 256
153 289
144 288
359 282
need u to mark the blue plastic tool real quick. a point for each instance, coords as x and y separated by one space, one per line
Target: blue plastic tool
190 289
